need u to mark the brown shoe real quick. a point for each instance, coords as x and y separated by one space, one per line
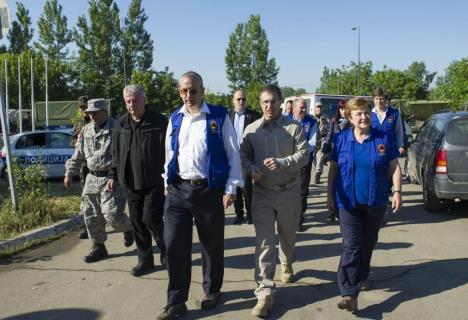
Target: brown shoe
348 303
172 312
263 306
287 273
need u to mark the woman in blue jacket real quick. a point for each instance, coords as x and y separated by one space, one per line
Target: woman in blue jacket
358 181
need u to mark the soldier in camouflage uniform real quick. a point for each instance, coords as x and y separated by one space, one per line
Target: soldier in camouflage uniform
77 128
102 200
320 152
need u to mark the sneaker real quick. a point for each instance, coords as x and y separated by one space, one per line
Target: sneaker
263 306
348 303
209 301
238 220
98 252
128 238
287 273
364 285
83 234
143 267
172 311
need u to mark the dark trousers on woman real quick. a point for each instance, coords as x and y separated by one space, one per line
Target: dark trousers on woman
244 194
146 208
360 230
185 203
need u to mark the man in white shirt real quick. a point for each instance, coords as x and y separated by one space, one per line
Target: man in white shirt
202 171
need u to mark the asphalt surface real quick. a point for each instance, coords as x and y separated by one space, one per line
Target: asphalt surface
419 271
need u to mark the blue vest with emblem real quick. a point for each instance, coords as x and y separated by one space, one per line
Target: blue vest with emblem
307 125
380 156
388 126
217 161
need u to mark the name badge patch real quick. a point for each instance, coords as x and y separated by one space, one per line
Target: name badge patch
213 126
381 149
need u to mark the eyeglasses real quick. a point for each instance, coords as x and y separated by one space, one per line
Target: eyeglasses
185 91
241 99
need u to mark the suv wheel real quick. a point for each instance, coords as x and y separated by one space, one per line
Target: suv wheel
430 202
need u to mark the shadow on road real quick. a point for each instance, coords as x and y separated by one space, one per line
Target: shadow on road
58 314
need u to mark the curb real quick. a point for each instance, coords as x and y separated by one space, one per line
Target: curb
43 233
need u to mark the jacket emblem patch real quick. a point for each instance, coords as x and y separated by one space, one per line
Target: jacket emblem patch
381 149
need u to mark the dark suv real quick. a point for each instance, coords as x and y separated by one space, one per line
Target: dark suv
438 160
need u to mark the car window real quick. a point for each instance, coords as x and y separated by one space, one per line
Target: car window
436 129
58 140
424 132
31 141
457 132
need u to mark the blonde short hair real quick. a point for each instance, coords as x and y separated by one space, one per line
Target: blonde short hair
355 104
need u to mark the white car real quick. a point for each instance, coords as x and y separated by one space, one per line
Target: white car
48 148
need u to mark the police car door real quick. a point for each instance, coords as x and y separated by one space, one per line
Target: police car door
58 151
30 149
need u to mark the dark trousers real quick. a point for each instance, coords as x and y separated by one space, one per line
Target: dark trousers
360 230
305 182
244 194
184 203
146 209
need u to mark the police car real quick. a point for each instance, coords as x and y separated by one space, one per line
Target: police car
49 148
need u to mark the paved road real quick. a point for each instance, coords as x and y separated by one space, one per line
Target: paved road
420 271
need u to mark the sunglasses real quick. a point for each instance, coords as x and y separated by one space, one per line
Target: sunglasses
186 91
241 99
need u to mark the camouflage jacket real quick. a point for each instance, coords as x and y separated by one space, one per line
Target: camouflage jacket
93 147
77 128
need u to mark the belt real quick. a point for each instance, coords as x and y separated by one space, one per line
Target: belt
282 187
99 174
196 182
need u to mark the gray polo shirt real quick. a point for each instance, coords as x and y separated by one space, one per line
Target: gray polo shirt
282 139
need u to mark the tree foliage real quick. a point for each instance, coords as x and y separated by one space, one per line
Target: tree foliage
247 62
289 91
453 86
343 80
54 34
20 33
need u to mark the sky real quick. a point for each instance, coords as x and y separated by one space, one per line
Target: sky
304 35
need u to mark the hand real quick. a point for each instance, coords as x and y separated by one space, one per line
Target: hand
67 182
256 174
396 202
166 192
228 199
112 185
402 150
271 163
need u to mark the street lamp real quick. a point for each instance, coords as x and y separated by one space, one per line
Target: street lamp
358 28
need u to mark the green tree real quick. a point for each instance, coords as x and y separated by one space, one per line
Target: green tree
20 33
137 43
343 80
289 91
418 71
219 99
99 58
453 86
247 62
54 34
398 84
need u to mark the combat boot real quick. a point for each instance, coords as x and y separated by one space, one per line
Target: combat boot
83 234
287 273
143 267
263 306
98 252
128 238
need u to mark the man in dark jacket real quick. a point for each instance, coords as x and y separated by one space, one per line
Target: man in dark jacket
138 151
241 117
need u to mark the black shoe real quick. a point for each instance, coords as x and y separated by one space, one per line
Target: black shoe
249 221
128 238
238 220
172 311
143 267
83 234
332 217
162 257
302 228
209 301
98 252
317 178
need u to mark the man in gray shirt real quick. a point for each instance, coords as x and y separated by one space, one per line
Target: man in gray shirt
273 150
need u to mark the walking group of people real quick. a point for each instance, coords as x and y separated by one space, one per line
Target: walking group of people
186 170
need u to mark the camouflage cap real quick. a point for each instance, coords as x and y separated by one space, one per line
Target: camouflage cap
96 105
83 101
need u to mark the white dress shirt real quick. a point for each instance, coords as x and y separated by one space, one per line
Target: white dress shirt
192 157
239 118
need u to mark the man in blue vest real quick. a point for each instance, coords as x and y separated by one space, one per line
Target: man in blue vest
309 125
387 120
202 171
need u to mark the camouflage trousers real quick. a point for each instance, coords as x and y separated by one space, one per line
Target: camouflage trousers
100 206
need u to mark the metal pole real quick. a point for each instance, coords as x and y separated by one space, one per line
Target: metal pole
7 97
20 102
359 62
124 58
47 92
33 107
6 142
